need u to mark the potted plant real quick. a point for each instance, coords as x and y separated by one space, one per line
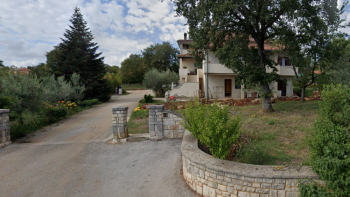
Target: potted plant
184 67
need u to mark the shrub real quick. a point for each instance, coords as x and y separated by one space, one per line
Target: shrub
159 81
212 126
88 103
147 99
330 143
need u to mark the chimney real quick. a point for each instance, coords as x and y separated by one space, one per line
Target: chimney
185 36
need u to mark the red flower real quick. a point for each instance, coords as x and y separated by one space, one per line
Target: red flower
59 101
172 98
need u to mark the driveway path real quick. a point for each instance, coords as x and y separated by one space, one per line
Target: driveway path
71 158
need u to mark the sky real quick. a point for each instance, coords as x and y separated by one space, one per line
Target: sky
30 28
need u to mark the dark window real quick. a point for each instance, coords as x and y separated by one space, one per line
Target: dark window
186 46
284 61
238 84
165 115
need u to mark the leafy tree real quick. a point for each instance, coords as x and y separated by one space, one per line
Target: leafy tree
159 81
321 50
41 70
162 57
2 64
78 54
133 69
224 27
112 69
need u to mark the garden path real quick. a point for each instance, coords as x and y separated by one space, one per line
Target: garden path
72 158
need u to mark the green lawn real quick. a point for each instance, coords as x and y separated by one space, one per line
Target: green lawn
133 87
279 137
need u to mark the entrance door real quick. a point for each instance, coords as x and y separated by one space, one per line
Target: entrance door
228 88
282 86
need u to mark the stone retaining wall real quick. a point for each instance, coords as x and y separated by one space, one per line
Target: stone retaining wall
214 177
5 137
164 123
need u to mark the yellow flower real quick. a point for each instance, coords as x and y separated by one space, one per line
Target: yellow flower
75 105
62 101
71 107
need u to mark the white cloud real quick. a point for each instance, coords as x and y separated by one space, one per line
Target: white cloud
30 28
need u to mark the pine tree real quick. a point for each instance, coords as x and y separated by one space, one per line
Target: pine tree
77 54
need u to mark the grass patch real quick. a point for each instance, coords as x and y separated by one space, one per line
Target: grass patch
133 87
280 137
138 122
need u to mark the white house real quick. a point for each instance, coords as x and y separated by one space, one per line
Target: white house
222 81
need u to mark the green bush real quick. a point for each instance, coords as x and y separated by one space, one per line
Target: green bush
330 143
159 81
147 99
88 103
212 126
308 91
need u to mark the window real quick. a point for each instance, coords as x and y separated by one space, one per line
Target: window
238 84
186 46
195 65
284 61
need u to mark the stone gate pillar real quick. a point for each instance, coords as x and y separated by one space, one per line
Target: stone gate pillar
155 121
119 122
5 137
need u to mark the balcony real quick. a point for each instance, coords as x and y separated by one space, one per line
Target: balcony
217 69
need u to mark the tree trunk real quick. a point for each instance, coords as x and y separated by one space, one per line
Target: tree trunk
302 94
266 98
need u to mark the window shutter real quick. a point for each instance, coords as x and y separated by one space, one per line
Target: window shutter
288 63
279 61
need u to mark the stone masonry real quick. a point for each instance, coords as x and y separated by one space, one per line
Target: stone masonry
4 127
164 123
212 177
119 122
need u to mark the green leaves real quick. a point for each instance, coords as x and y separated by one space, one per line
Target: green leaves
212 126
159 81
330 144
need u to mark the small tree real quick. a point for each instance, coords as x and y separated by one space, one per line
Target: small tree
133 69
159 81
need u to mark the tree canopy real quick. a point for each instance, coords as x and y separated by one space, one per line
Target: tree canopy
161 57
133 69
225 27
77 53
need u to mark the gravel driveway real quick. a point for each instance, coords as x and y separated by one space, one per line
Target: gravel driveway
72 158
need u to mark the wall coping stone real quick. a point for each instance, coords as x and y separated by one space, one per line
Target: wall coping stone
173 112
190 150
4 111
119 108
156 107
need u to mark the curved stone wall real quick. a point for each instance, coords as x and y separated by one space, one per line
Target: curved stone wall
214 177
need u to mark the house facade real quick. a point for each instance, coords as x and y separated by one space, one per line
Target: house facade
222 82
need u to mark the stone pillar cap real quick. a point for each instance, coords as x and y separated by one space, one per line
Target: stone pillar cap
156 106
4 111
119 108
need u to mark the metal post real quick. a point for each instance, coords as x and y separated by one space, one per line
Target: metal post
206 78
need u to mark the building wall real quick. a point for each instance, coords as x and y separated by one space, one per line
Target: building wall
219 80
189 63
186 89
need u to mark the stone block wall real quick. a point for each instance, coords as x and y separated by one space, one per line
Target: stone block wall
119 123
213 177
164 123
5 137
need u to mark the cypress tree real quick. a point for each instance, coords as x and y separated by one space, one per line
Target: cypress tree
77 54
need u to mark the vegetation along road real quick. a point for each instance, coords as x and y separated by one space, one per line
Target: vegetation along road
73 158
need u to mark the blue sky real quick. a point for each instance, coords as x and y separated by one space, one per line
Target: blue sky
30 28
